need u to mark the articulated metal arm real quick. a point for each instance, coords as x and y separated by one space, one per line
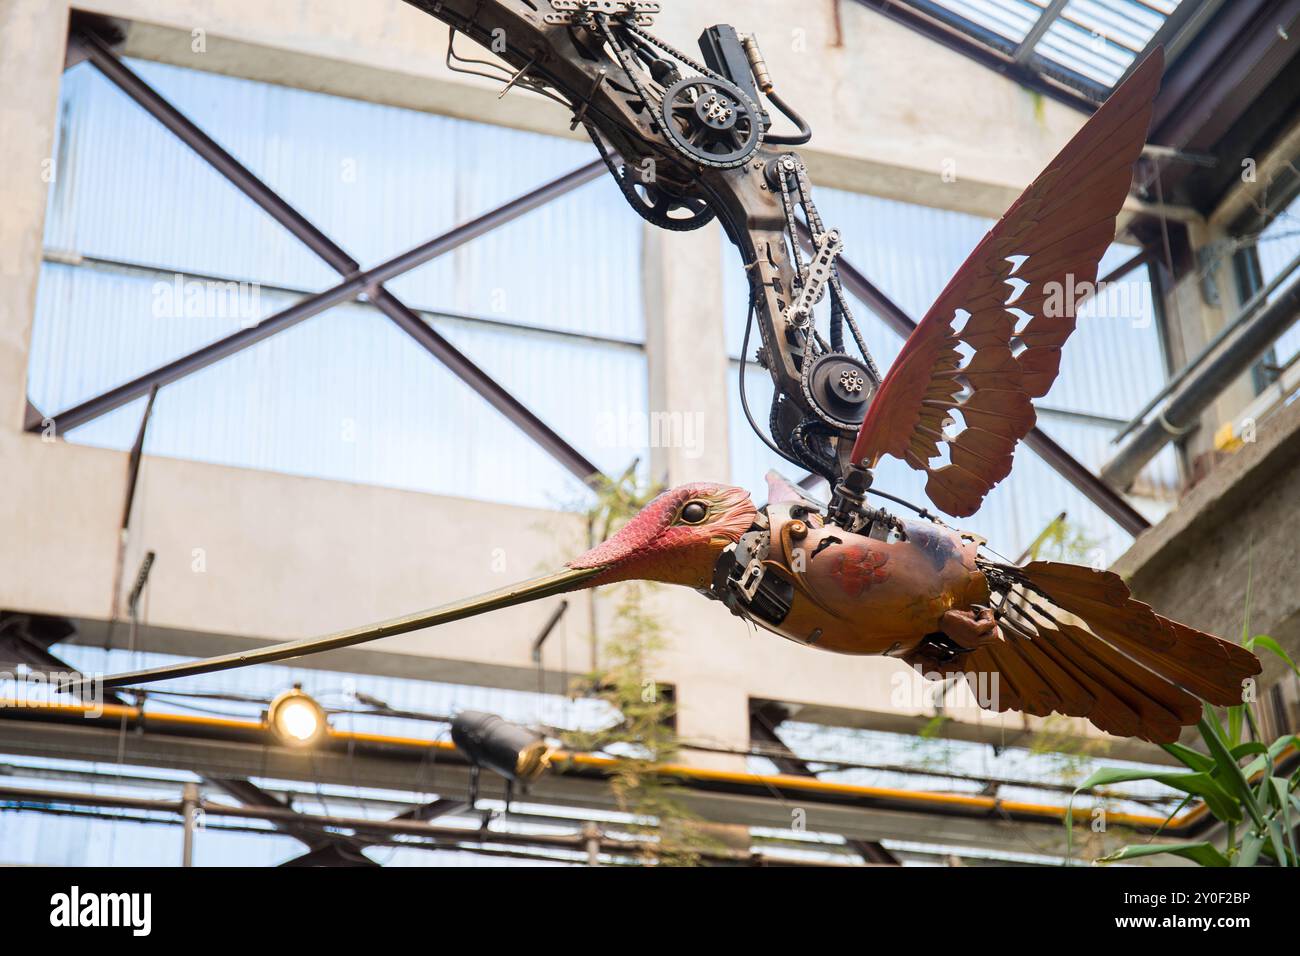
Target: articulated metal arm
689 140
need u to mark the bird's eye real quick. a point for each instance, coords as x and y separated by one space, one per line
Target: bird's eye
694 512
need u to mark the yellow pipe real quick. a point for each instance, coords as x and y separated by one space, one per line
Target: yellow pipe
607 764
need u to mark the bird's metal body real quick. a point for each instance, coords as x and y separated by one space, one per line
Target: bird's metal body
856 594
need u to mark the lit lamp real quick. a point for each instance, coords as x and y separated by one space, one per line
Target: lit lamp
296 718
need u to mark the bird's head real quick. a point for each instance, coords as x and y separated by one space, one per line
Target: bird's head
677 538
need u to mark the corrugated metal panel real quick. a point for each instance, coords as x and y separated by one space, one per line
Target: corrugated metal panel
377 179
1100 38
1095 39
1112 364
1007 18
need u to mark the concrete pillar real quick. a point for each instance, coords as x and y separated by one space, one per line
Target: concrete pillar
687 355
33 37
713 713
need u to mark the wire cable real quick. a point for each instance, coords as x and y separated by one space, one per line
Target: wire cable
744 363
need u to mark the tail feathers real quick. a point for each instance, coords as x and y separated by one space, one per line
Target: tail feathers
1153 654
1128 670
1161 709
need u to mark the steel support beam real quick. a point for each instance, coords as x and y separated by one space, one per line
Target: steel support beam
342 850
1044 22
1241 49
1201 388
1062 462
266 198
762 728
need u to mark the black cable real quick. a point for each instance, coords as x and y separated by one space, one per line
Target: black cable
805 131
923 512
744 361
814 460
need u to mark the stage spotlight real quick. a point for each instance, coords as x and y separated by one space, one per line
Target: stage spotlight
518 754
296 718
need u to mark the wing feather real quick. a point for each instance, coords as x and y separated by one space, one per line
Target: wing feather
1017 290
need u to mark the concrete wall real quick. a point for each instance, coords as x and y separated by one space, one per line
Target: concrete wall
1228 555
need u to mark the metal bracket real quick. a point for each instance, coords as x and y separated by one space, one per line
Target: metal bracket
829 246
751 552
568 12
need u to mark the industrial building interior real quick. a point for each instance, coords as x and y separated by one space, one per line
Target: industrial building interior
218 432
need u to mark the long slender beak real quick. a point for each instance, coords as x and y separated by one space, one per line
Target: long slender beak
567 580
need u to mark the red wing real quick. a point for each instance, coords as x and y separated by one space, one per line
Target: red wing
1062 225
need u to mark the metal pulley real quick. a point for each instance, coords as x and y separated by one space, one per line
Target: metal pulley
839 387
711 121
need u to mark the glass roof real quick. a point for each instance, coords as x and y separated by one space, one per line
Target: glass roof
1087 44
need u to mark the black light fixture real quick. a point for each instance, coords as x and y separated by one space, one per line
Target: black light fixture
516 753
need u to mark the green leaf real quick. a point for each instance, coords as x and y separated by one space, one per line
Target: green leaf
1281 794
1279 745
1211 716
1189 757
1206 854
1279 845
1236 717
1266 642
1250 848
1268 758
1248 748
1219 800
1234 779
1111 775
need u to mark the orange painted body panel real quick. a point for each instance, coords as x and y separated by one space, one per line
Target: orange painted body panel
858 595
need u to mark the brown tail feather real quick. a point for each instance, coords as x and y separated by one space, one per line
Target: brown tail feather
1108 710
1130 671
1199 663
1162 709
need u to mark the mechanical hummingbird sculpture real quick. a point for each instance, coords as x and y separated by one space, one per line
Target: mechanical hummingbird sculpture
851 578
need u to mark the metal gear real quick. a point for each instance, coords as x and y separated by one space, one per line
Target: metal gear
839 388
662 208
711 121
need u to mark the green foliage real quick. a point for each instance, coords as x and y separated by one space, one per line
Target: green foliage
1063 541
1234 778
644 740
